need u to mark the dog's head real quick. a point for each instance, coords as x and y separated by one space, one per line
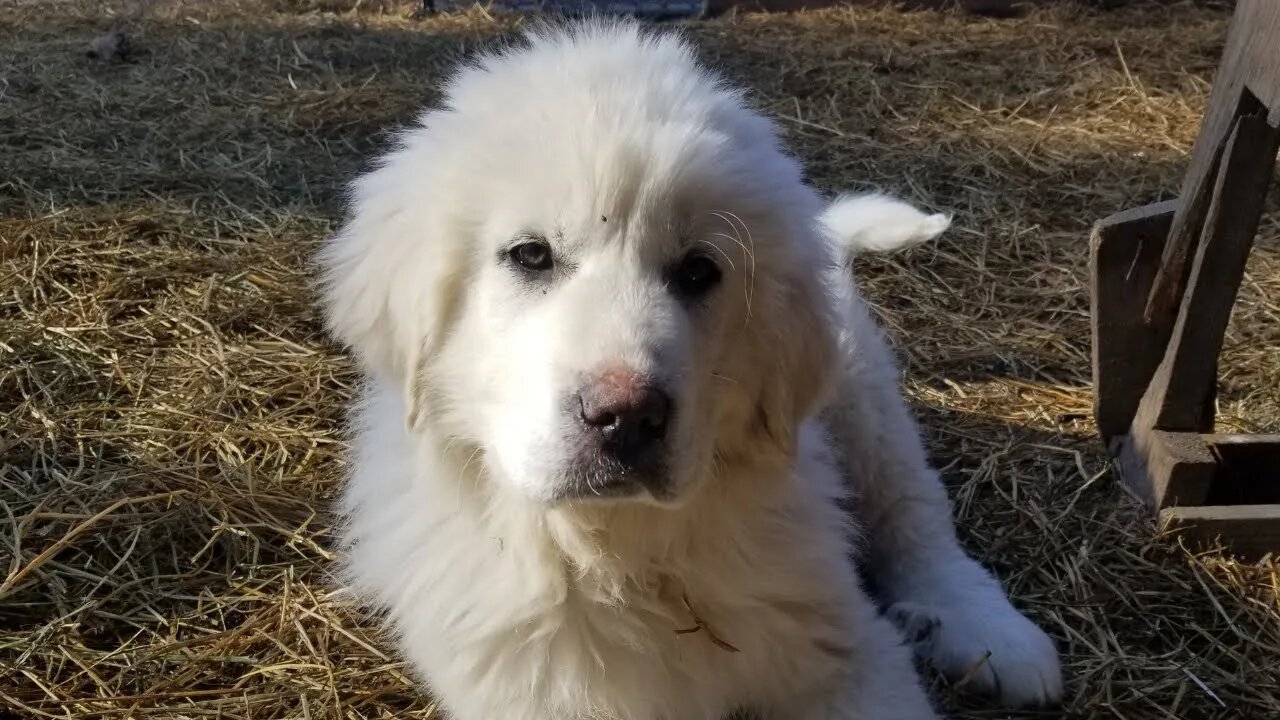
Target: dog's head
595 266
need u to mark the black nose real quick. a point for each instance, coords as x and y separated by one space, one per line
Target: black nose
629 414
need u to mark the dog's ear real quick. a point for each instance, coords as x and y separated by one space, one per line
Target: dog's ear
800 347
390 278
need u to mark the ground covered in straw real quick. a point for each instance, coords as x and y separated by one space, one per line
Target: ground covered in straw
170 411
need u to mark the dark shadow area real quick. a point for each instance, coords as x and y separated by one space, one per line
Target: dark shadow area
1247 473
280 114
224 114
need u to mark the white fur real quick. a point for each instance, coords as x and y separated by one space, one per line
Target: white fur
511 604
878 223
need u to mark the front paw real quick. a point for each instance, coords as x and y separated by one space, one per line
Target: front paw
984 644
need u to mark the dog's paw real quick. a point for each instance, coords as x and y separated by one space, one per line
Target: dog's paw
992 649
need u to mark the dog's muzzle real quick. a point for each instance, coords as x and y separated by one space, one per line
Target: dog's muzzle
622 421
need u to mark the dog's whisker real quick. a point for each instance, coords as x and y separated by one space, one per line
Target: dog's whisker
746 228
462 473
735 239
719 249
751 256
748 249
748 292
747 252
448 445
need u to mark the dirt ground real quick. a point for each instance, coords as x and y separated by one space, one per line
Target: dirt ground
170 410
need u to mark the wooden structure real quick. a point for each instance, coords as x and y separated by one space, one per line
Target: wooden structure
1165 277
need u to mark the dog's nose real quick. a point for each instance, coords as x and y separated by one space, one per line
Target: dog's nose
629 412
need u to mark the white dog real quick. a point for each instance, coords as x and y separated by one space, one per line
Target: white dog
621 398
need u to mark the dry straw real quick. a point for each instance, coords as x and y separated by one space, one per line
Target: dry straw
169 409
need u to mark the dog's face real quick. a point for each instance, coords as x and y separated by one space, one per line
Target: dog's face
605 321
603 303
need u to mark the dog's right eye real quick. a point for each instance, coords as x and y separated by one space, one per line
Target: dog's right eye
532 255
696 275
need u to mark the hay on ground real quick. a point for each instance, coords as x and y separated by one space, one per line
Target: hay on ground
169 408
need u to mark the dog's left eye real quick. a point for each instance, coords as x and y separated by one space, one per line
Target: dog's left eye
532 255
696 275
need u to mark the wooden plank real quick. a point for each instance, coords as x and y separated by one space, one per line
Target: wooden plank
1248 530
1260 66
1247 80
1167 469
1124 254
1231 439
1180 394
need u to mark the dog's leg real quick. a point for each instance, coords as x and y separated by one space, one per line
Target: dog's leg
879 683
953 610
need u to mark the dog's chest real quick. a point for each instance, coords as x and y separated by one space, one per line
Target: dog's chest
690 650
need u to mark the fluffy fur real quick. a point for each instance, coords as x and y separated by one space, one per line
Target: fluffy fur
731 588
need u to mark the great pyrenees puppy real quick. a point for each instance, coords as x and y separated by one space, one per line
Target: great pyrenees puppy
629 440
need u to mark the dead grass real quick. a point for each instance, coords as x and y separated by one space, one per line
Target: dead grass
169 409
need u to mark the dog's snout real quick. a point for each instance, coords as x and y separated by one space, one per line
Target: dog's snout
629 412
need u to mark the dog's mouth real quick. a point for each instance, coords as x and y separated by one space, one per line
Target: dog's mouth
583 489
602 478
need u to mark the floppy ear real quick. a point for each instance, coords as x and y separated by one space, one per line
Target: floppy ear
390 278
800 347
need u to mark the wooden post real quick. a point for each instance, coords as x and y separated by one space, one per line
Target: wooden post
1248 79
1164 280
